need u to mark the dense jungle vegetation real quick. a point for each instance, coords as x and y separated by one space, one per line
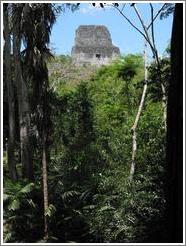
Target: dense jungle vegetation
68 146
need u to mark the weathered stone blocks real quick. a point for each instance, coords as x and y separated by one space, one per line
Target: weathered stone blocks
93 45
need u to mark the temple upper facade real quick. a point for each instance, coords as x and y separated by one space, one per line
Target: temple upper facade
93 45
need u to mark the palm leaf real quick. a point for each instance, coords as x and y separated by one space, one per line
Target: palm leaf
14 205
50 210
27 189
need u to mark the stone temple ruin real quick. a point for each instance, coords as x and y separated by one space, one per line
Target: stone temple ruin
93 45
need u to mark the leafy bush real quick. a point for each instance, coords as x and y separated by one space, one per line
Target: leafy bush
22 212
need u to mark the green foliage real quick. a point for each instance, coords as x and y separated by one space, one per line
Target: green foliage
63 59
154 87
21 209
90 194
50 210
64 75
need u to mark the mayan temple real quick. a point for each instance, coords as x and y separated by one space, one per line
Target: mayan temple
93 45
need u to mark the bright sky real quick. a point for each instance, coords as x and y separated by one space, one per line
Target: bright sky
123 35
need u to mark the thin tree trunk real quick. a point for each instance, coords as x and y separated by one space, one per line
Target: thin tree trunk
156 57
10 95
134 127
45 155
164 97
151 42
24 113
45 187
164 105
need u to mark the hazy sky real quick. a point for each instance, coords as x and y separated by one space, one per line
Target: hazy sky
123 35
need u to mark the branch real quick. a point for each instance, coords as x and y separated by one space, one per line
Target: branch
130 22
149 41
156 16
145 29
142 23
123 7
164 98
152 26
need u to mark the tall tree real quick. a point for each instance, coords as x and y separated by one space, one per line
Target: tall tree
22 91
175 132
39 19
148 33
10 94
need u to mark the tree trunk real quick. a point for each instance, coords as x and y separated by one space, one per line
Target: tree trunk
10 95
164 105
175 132
45 187
134 127
151 42
45 155
24 113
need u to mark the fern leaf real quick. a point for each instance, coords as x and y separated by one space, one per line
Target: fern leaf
69 194
50 210
84 195
27 189
14 205
7 237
